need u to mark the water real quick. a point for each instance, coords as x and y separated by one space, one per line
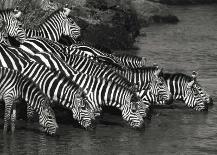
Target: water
189 45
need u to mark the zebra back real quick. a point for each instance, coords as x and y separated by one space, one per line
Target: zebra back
131 61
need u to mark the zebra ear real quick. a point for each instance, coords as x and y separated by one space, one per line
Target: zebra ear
17 14
66 10
158 71
194 74
135 106
144 60
190 84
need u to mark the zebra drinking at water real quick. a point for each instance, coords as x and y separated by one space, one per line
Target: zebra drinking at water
187 89
66 92
99 91
14 86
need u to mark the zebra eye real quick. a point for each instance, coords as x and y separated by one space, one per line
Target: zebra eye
133 110
83 108
50 117
161 84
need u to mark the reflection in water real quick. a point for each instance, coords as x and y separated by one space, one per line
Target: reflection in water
189 45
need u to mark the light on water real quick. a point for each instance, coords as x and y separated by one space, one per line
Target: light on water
189 45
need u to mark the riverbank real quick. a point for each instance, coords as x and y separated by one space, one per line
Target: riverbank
111 24
185 2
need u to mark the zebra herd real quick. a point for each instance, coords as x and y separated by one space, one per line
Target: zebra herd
79 77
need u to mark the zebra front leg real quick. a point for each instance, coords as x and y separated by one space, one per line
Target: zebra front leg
13 118
8 106
30 113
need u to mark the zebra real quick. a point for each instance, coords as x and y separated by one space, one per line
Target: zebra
80 63
142 76
131 61
206 97
185 88
14 86
55 25
78 49
69 94
99 91
12 25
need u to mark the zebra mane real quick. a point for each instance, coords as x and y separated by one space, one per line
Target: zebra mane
181 75
145 68
128 55
51 15
6 11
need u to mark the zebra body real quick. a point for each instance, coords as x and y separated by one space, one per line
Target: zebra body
71 99
14 86
57 24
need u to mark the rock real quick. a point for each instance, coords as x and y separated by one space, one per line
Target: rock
185 2
149 12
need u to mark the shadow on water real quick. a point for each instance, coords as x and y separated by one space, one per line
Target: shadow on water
184 47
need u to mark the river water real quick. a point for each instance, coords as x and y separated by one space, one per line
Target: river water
189 45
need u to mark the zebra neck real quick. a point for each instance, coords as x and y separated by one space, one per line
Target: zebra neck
30 93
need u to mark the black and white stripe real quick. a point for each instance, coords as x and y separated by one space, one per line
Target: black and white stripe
14 86
184 87
56 25
12 26
72 99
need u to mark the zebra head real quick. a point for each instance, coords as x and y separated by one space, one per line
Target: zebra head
13 27
69 26
81 110
47 118
206 97
158 87
193 98
3 35
131 113
143 107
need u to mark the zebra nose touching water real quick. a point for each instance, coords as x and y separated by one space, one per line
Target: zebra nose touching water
186 88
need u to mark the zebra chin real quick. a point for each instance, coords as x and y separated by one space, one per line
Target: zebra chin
136 124
168 101
201 108
88 125
48 130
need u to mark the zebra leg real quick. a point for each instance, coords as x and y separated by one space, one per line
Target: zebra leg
13 117
30 113
8 106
